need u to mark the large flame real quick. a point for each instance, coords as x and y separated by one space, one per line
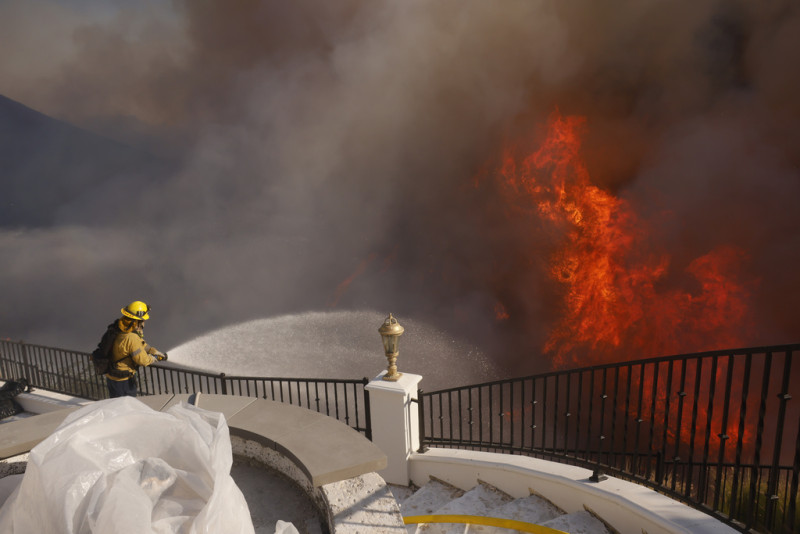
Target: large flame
622 297
619 301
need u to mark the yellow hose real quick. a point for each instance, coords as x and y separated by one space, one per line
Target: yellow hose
478 520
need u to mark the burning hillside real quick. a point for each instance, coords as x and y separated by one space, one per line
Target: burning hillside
398 156
621 296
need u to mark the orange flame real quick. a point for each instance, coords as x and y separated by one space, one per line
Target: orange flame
343 286
500 312
615 297
362 268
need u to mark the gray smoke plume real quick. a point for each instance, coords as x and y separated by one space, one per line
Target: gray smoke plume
323 155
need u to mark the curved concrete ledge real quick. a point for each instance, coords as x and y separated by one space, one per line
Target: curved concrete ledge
18 437
324 448
334 464
628 507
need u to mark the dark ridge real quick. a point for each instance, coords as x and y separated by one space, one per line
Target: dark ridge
53 172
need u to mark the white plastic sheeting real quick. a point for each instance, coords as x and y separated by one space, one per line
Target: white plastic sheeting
120 467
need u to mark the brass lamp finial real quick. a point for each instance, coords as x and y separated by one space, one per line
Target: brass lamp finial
390 332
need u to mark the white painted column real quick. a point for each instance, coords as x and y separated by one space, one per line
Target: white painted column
395 423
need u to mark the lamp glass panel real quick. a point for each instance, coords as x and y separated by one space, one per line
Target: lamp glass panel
390 344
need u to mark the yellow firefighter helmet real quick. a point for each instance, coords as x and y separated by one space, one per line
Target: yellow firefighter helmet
136 310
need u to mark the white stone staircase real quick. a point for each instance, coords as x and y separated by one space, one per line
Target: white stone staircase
439 498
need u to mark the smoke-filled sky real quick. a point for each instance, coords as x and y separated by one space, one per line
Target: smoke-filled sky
324 155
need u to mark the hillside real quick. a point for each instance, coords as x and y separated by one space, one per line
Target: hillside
53 172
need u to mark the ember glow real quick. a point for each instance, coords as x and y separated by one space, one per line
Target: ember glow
623 298
345 284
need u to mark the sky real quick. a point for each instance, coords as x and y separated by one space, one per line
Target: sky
328 155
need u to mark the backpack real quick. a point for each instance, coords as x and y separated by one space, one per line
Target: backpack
12 388
101 356
8 406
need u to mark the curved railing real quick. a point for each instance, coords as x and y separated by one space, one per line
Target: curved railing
72 373
717 430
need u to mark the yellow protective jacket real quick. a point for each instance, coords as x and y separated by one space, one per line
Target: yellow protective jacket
129 352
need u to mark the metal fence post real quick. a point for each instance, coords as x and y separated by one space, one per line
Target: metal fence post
421 417
26 366
793 493
367 413
774 471
223 384
4 374
7 360
659 467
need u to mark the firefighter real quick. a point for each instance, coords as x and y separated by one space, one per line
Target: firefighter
130 351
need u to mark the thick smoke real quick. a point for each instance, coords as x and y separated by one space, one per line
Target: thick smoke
316 140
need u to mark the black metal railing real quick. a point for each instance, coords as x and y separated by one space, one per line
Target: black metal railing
72 373
716 430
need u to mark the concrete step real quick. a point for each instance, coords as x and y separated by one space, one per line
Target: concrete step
481 500
401 493
582 522
429 498
484 500
532 509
